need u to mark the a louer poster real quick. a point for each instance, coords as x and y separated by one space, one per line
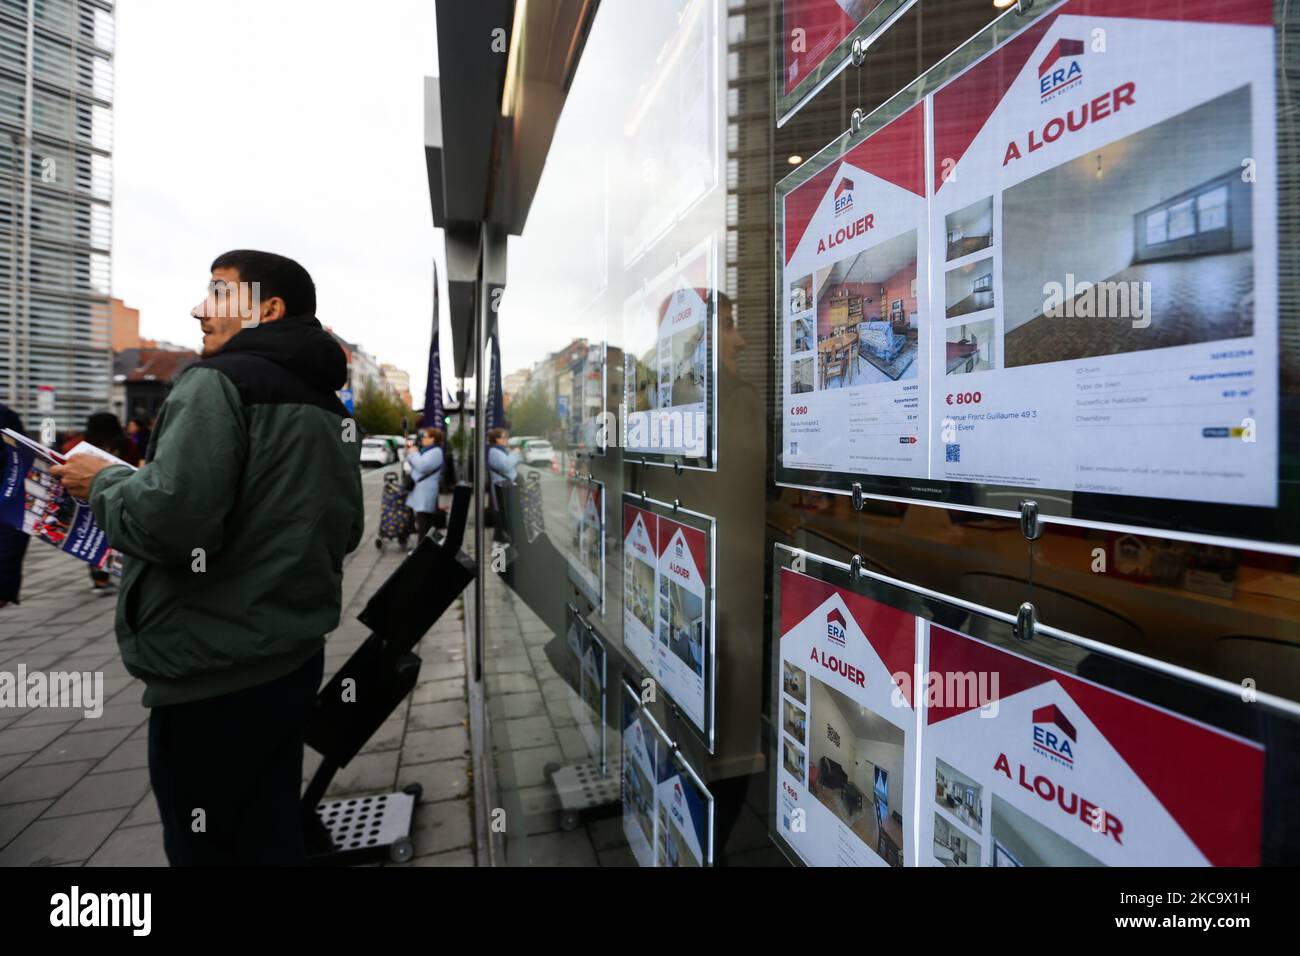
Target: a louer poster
1102 261
643 750
856 320
668 376
847 751
685 817
1045 769
813 47
667 607
1105 255
586 555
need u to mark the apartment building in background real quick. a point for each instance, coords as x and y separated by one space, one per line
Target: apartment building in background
397 380
56 191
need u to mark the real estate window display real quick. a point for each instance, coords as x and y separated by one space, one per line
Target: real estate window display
1218 611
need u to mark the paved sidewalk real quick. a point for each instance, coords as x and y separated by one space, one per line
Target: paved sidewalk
75 791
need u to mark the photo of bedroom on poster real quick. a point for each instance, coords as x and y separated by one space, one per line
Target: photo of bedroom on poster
856 769
1159 253
867 322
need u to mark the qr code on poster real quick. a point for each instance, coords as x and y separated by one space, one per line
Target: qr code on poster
952 452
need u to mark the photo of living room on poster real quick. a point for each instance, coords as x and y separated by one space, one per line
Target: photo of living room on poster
856 769
1168 245
867 322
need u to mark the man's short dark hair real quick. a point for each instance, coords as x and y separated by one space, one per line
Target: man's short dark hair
278 276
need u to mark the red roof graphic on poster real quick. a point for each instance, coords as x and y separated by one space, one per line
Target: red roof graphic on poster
1061 48
630 514
894 153
963 106
890 632
696 542
1051 714
1195 772
845 185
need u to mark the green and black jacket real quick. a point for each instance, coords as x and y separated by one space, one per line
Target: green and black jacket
234 530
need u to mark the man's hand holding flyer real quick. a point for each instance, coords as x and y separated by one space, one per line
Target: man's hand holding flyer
35 500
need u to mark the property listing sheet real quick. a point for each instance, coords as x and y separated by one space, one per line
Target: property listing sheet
1025 765
856 309
668 374
667 606
847 754
586 553
685 817
1105 258
1096 306
643 749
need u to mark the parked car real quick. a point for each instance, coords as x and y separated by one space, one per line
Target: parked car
538 451
377 452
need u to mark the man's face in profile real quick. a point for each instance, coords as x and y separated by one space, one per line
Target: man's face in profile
221 313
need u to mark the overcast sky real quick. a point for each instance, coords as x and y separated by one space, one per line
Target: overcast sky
294 126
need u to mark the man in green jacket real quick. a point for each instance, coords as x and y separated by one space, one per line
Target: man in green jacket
233 534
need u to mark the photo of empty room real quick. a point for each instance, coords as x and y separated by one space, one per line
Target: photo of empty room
969 288
1020 840
794 682
969 347
793 758
640 579
952 847
970 229
856 769
795 721
1165 243
690 353
801 339
801 376
681 620
801 294
867 322
959 795
642 382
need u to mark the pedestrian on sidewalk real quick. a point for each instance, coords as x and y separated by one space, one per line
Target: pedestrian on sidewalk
233 533
503 469
13 541
426 464
104 431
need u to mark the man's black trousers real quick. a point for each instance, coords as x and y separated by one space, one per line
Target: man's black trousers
227 772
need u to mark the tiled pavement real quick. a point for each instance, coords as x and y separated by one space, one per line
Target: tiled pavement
75 791
534 722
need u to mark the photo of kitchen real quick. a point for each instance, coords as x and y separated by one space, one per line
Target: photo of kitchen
795 721
801 335
856 769
969 288
952 847
801 294
970 230
794 681
1177 234
640 578
801 375
959 795
793 759
867 322
1020 840
969 347
681 624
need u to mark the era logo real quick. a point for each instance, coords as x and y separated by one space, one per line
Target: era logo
836 628
1060 70
1054 735
844 196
